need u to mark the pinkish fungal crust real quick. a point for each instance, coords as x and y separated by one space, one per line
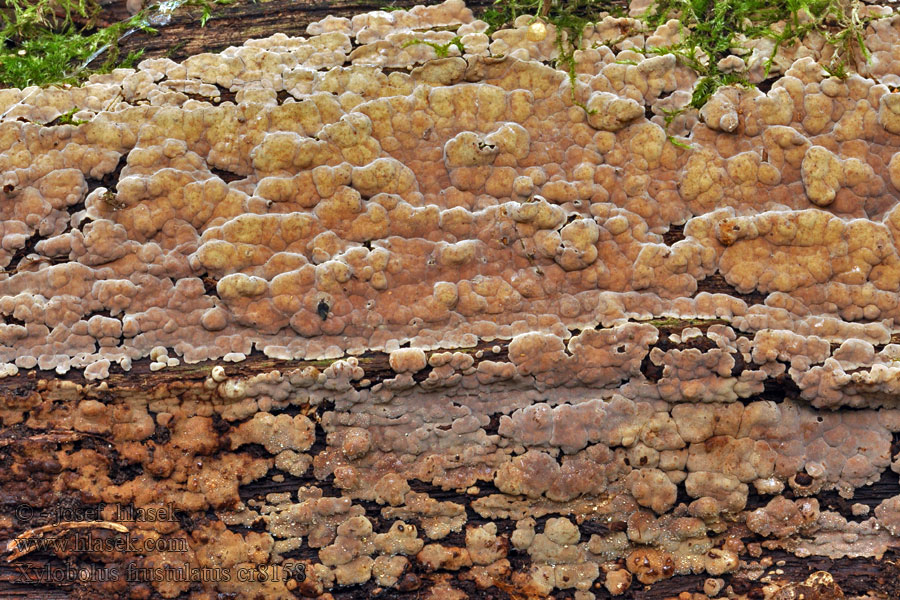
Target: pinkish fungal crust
511 258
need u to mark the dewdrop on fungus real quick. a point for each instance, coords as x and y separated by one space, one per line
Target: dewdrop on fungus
537 31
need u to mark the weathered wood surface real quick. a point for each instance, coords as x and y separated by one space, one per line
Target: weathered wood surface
30 471
180 35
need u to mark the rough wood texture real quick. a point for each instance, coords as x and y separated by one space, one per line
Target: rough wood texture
230 25
32 472
32 477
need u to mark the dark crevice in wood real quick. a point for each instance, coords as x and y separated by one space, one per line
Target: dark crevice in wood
73 210
739 364
121 471
197 97
590 527
114 367
870 495
653 373
895 445
775 389
676 326
255 451
320 441
716 284
104 312
97 444
681 495
259 489
190 522
803 479
109 180
766 84
161 434
21 260
389 70
673 235
11 320
376 367
210 286
416 585
490 352
493 426
290 483
226 95
27 383
420 376
756 500
855 576
226 176
700 342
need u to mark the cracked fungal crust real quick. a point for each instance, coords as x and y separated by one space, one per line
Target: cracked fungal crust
333 208
481 278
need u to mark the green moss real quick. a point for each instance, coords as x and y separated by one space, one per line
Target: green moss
713 30
569 18
207 8
41 42
56 58
441 50
323 363
44 42
837 69
708 85
68 118
676 142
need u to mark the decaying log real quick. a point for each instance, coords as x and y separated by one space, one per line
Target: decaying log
395 311
180 35
31 457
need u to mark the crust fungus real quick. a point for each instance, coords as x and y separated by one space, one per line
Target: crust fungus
490 328
609 112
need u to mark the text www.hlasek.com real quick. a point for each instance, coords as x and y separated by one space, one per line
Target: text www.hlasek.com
185 572
88 542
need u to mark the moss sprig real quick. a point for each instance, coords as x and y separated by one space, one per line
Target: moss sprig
44 42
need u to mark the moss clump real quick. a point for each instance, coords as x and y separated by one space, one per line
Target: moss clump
67 118
712 30
569 18
441 50
52 41
45 42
